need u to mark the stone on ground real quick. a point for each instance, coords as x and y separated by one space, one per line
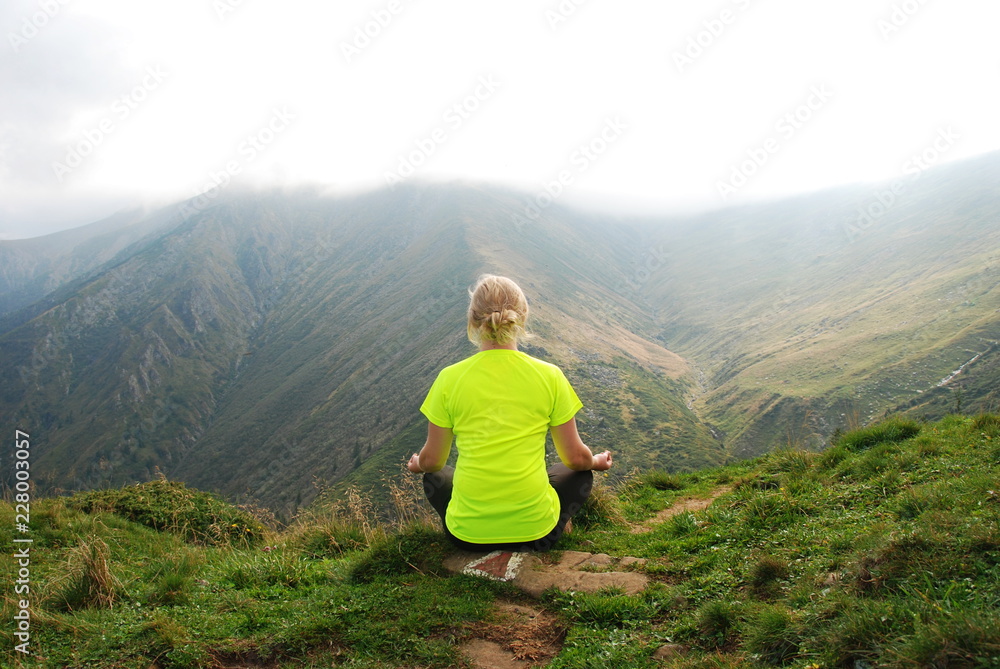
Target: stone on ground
576 571
516 636
483 654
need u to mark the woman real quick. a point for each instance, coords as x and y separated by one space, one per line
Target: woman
498 406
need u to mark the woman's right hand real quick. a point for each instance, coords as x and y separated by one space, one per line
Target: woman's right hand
602 461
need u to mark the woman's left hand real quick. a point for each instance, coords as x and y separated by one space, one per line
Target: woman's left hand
414 464
602 461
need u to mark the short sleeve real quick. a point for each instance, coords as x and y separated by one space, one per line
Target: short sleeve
566 403
434 406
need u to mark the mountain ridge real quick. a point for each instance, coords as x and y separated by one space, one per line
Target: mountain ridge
295 333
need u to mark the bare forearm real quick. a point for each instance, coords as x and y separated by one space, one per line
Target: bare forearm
574 453
429 461
434 454
582 459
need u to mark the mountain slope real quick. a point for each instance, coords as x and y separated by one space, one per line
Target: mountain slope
296 336
31 269
282 339
797 313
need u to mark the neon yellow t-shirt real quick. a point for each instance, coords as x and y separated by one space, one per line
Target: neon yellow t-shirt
499 404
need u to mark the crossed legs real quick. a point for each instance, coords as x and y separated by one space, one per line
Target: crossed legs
572 487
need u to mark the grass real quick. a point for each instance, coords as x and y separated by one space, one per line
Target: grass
170 505
882 551
889 431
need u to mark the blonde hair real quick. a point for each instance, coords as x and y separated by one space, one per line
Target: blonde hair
498 310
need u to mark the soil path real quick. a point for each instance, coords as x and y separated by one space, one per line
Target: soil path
521 636
685 504
518 636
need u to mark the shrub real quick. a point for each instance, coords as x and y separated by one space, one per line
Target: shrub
415 548
605 609
602 507
832 457
764 572
913 502
682 524
927 448
602 649
986 423
327 535
717 621
859 632
661 480
757 481
351 524
895 560
172 580
171 589
875 462
771 634
768 511
789 460
88 578
969 640
983 540
273 568
169 505
170 643
894 429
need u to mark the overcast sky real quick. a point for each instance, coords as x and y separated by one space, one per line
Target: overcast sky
638 104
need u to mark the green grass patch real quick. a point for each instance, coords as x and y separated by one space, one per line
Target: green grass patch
891 430
170 505
660 480
885 554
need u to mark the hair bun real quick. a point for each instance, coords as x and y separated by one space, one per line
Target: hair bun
500 318
497 310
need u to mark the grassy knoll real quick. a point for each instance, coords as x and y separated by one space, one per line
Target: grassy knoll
881 551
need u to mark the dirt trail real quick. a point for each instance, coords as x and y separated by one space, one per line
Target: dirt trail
521 636
685 504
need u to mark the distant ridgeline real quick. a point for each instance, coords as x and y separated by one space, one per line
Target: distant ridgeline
274 343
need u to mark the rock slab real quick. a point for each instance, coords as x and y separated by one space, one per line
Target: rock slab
574 571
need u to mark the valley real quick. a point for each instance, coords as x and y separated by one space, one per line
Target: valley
276 344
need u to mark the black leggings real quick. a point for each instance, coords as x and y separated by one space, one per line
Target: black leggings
572 487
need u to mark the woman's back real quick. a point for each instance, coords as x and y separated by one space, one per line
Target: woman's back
497 406
500 403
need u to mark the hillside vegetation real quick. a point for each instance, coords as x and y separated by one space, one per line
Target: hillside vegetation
881 551
803 317
282 339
